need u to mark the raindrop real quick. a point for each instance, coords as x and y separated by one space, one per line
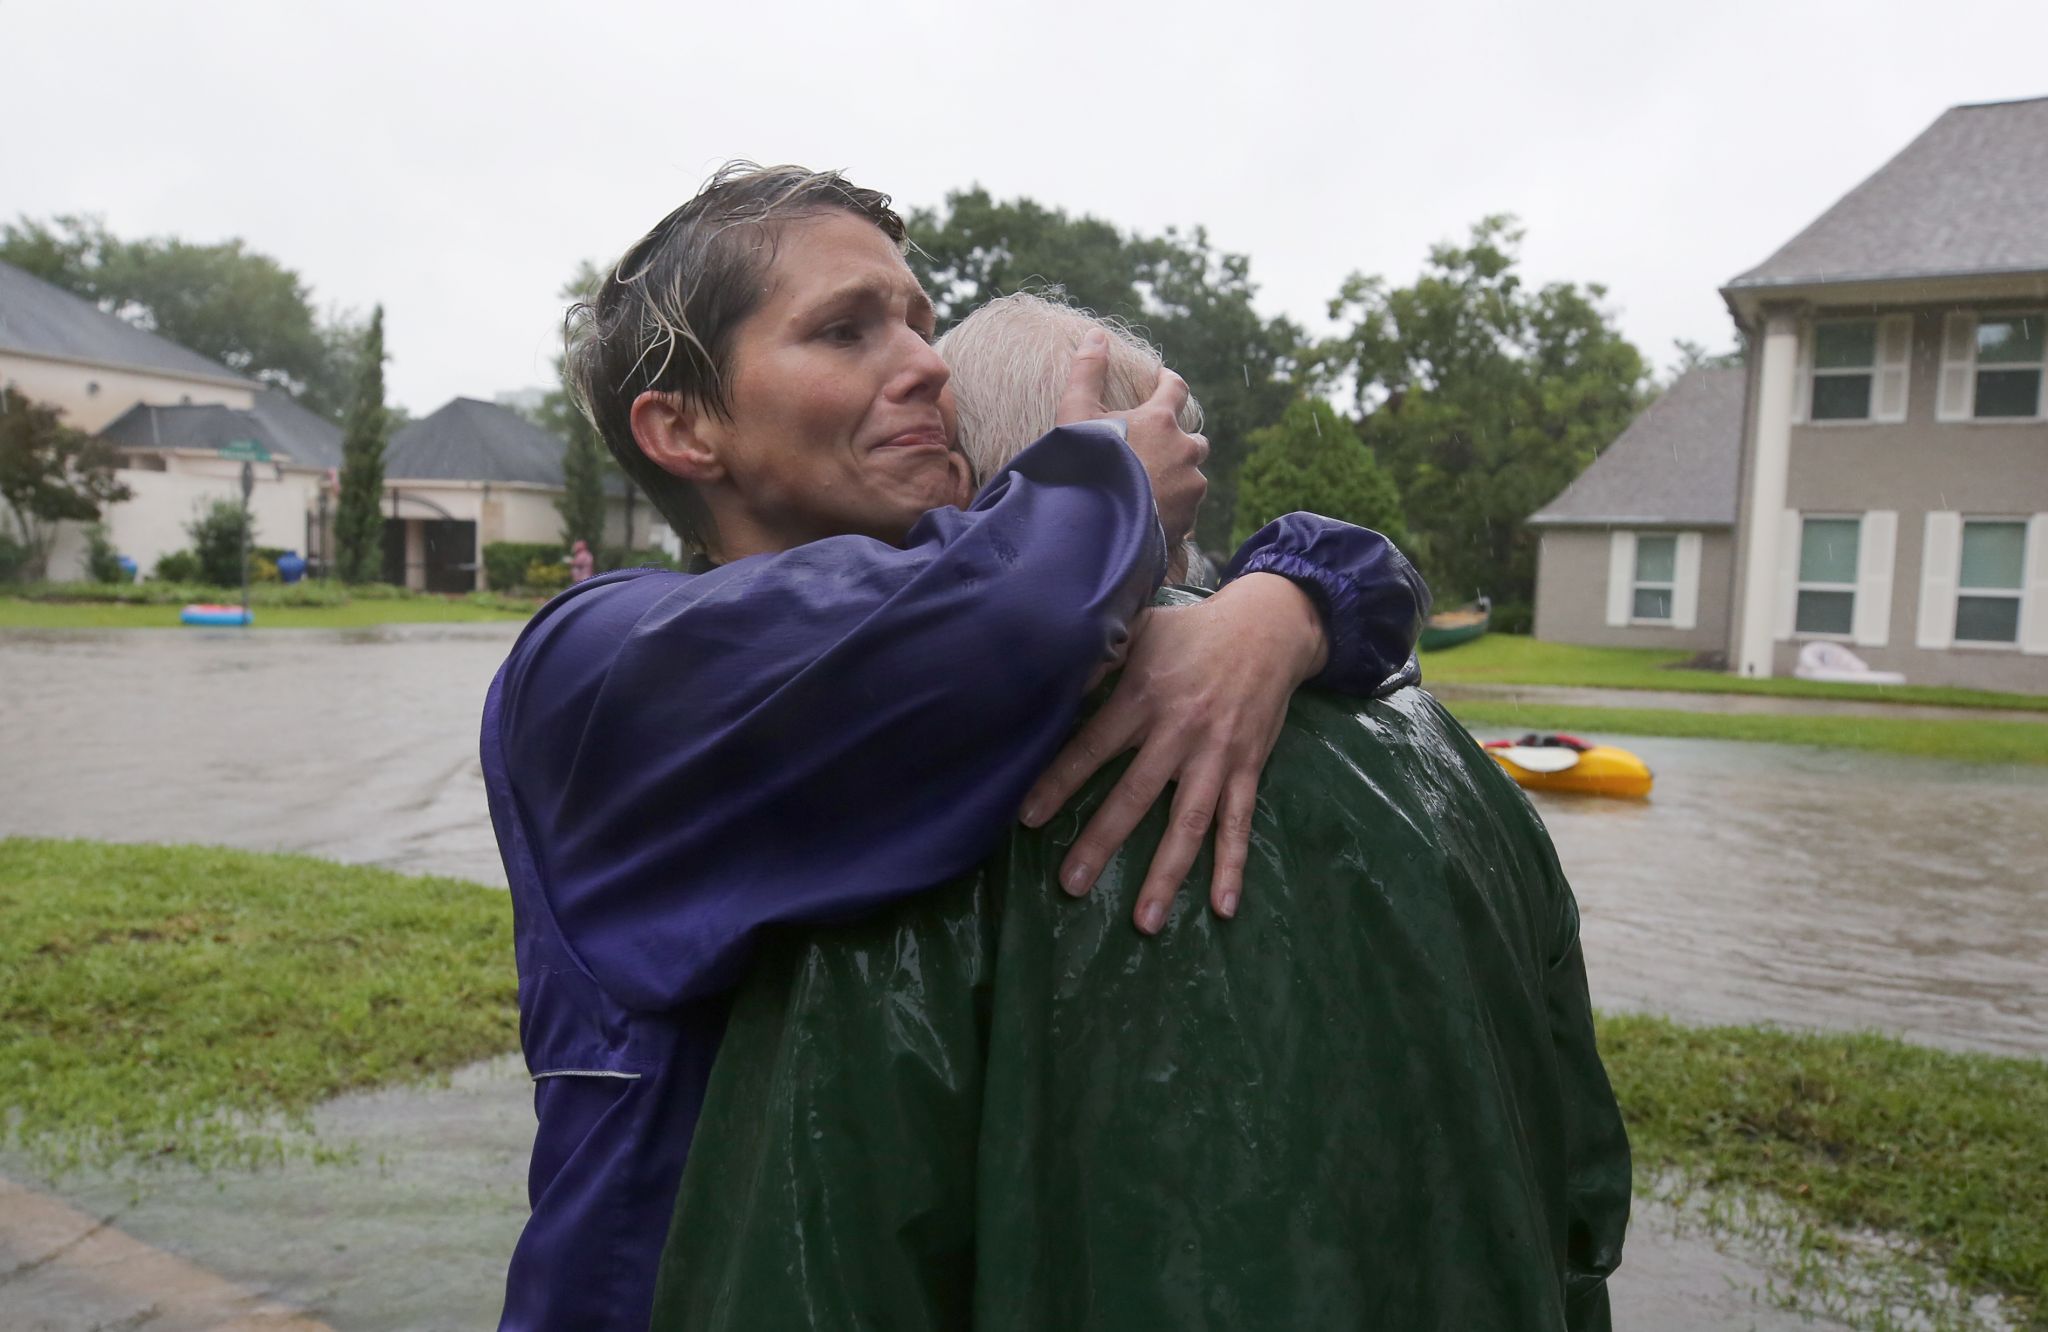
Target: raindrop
1247 373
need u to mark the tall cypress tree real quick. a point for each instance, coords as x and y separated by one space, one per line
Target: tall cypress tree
582 502
359 518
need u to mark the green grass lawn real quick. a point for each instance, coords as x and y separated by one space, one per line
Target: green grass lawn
1947 1149
166 1000
1964 741
1517 659
16 613
154 999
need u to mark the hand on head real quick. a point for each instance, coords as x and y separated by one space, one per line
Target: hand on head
1171 456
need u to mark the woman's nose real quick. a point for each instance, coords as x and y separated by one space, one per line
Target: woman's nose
924 372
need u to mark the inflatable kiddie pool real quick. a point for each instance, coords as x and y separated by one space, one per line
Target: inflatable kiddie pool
207 613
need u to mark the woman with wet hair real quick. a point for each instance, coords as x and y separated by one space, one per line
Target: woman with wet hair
846 699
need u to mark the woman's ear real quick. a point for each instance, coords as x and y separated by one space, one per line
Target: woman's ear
678 436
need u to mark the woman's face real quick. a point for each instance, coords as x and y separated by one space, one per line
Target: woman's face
841 420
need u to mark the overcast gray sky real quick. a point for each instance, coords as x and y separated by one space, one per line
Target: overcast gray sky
456 161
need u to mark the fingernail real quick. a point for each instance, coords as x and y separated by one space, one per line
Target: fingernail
1151 917
1032 815
1094 338
1228 908
1077 880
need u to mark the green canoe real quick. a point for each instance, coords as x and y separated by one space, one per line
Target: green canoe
1452 627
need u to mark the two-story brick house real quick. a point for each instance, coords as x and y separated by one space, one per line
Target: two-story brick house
1891 452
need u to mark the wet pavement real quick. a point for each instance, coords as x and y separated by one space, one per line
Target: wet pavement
414 1235
1759 883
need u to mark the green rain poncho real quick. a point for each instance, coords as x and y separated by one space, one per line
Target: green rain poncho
1371 1101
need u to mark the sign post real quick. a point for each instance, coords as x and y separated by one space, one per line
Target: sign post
248 452
248 488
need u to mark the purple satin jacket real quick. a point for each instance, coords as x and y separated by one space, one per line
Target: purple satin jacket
675 761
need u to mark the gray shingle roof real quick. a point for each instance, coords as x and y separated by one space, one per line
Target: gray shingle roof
1970 195
39 319
1677 463
468 440
277 422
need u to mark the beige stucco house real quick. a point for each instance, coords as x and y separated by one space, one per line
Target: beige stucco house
1640 550
1892 444
470 474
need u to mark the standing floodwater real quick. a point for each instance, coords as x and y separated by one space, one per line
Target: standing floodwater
1818 887
1760 882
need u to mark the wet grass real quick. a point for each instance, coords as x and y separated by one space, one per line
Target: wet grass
1947 1150
1959 740
1517 659
195 1003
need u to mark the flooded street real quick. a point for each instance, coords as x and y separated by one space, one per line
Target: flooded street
1818 887
1759 882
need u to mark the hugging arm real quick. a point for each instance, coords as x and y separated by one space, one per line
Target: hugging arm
802 736
1308 600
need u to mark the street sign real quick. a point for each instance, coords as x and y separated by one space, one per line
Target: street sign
246 450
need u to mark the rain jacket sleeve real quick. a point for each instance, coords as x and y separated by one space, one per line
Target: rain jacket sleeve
1372 599
802 736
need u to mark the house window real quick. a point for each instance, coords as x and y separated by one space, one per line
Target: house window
1988 586
2009 363
1844 368
1827 576
1656 577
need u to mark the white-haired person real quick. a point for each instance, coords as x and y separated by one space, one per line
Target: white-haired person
1373 1099
844 701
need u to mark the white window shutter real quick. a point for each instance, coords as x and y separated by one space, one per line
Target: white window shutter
1621 577
2034 601
1875 545
1802 386
1957 398
1894 368
1941 563
1685 590
1788 572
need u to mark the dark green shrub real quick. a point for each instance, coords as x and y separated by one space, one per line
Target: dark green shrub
102 561
180 566
217 536
13 556
618 557
506 562
546 576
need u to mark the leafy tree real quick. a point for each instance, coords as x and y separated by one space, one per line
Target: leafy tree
50 473
586 463
1193 302
225 301
1312 459
358 518
582 501
217 533
1484 398
1694 356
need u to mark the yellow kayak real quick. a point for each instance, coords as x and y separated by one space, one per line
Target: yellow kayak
1567 763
